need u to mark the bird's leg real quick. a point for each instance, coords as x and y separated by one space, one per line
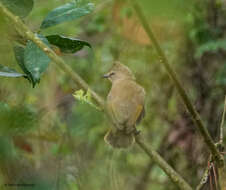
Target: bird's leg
137 132
130 130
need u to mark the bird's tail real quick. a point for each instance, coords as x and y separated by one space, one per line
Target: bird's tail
119 139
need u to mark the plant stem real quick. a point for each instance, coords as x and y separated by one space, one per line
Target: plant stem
164 61
28 34
204 179
222 123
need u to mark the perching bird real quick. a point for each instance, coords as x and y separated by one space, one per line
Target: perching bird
125 104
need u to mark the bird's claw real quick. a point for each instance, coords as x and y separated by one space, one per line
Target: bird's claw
137 132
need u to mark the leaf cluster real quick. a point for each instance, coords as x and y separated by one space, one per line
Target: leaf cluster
31 59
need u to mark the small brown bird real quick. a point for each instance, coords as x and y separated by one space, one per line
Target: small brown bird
125 104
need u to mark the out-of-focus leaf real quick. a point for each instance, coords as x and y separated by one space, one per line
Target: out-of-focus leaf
16 120
211 46
201 34
19 7
73 185
67 12
8 72
7 150
63 149
89 129
35 60
221 76
67 45
170 9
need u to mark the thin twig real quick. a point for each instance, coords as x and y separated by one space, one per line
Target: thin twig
222 123
28 34
211 181
215 176
204 178
164 61
220 146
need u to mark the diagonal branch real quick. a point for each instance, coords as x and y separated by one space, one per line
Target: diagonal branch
28 34
172 74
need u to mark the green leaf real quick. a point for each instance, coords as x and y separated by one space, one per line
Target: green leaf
19 7
35 60
67 45
85 98
8 72
67 12
19 55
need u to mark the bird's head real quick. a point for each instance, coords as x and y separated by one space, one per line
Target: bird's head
119 72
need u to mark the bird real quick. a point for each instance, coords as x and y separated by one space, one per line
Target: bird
125 106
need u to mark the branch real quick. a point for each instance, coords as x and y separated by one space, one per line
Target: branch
28 34
172 74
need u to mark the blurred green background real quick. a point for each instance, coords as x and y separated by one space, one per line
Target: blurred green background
54 142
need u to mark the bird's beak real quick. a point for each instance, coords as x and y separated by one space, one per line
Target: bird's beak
106 75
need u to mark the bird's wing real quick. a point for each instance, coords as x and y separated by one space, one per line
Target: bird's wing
140 117
137 116
137 106
114 116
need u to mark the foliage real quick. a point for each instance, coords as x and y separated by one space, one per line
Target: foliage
67 45
19 7
67 137
35 60
32 60
211 46
67 12
85 98
16 120
221 76
7 72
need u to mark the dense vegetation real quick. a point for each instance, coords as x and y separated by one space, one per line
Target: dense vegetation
51 140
